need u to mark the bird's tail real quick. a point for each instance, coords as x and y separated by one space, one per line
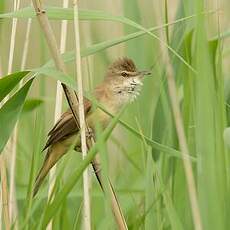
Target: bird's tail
53 155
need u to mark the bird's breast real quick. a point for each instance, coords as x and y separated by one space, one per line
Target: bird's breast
127 92
98 117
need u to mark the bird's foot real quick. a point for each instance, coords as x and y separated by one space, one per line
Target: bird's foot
89 133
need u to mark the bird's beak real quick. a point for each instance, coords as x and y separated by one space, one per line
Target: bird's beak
145 73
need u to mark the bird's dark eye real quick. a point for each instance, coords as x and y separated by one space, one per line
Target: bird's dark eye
124 74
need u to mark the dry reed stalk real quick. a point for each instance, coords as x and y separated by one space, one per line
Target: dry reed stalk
13 36
53 47
58 102
4 191
26 45
183 146
86 193
181 138
12 195
3 183
70 95
13 204
12 148
117 211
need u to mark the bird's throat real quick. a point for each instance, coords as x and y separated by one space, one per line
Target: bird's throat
128 91
114 95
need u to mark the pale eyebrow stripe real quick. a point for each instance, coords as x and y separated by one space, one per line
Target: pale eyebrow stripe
130 73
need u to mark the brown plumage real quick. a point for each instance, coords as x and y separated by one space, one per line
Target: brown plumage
65 126
112 93
124 63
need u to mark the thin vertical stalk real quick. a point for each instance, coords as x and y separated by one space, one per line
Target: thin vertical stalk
64 27
26 44
4 208
25 55
23 64
53 47
4 191
86 195
13 36
59 99
182 139
59 95
12 141
12 163
183 146
117 211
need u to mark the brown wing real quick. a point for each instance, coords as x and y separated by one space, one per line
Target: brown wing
65 126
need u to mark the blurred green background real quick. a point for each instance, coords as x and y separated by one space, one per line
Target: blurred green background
150 183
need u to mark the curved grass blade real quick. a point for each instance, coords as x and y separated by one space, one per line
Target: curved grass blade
10 112
223 35
8 82
56 74
31 104
59 13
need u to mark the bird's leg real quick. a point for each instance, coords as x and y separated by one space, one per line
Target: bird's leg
89 136
89 133
77 148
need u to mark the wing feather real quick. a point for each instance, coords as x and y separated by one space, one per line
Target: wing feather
65 126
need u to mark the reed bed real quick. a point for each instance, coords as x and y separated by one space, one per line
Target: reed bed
164 159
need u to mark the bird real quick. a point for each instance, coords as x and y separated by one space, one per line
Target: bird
121 85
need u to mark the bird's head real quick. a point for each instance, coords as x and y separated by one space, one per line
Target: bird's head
125 79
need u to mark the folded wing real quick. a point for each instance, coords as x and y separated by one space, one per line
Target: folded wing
65 126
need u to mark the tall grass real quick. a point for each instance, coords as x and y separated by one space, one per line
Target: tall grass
144 154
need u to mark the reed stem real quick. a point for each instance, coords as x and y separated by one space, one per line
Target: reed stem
58 101
86 187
